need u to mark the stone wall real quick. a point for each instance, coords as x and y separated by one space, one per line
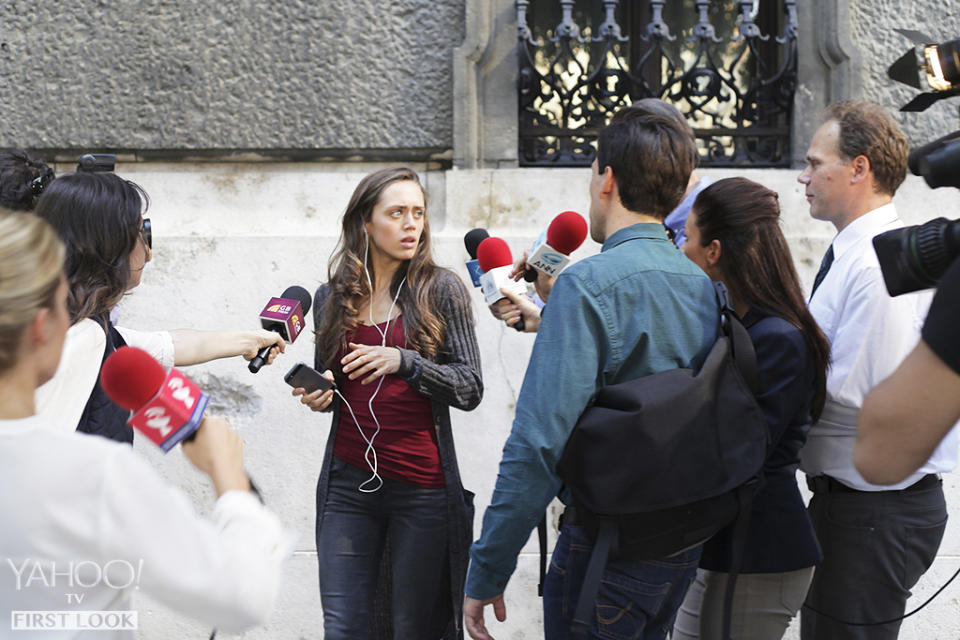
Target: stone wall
216 77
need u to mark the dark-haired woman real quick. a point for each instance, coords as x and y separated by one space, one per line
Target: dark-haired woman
733 233
22 179
99 217
394 524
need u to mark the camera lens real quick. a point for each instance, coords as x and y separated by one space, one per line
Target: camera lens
915 257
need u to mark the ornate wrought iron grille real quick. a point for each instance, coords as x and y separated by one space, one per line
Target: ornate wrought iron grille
731 69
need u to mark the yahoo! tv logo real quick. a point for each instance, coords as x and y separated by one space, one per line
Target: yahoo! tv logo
73 581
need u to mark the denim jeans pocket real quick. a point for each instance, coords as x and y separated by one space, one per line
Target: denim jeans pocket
561 588
626 602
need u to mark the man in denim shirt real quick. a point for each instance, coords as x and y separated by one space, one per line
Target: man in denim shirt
638 307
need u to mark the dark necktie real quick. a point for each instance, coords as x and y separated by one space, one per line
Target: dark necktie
824 267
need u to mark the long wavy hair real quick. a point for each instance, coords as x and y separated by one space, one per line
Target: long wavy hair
756 264
98 218
423 325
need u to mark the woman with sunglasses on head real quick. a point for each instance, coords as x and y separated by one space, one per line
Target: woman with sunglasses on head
22 180
79 509
395 331
99 217
733 233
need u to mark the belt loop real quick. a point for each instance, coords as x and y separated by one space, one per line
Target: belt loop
818 484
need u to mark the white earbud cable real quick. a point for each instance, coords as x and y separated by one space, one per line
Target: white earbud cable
370 455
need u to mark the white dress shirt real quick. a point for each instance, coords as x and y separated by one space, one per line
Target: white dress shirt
870 334
63 398
78 511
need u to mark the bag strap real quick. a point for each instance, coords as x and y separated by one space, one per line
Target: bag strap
542 534
745 493
607 540
741 346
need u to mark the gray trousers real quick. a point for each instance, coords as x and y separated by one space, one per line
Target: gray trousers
876 545
763 605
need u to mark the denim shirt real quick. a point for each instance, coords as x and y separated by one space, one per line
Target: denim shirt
638 307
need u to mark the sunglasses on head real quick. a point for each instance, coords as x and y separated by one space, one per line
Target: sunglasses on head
38 184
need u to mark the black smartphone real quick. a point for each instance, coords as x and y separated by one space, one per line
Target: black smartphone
308 378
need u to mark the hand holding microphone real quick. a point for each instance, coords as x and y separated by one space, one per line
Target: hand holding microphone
518 309
263 340
494 257
550 252
168 409
284 315
217 450
541 282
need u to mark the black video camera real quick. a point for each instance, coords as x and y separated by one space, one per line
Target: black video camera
915 257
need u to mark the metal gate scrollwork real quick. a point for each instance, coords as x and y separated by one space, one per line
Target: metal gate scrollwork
732 81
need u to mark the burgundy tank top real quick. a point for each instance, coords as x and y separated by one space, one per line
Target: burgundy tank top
406 445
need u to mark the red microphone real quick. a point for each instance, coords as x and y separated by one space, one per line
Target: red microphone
495 260
550 253
168 407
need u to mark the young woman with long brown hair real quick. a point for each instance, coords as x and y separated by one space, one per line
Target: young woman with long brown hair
396 333
733 233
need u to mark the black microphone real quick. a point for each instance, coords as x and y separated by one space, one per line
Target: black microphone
472 241
284 315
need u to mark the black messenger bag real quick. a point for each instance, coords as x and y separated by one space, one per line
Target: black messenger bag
661 463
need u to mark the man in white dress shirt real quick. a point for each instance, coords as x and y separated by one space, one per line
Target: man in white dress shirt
877 540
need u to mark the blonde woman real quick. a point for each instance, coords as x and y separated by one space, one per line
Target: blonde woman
75 500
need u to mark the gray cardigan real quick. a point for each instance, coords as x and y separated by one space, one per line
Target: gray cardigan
452 379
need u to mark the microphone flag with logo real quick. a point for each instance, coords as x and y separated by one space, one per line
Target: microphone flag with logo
167 406
285 315
551 251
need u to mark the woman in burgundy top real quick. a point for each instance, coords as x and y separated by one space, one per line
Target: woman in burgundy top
395 331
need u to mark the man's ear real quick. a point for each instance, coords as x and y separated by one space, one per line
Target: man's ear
860 169
714 250
609 182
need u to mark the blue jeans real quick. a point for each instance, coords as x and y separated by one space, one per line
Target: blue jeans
637 599
351 541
